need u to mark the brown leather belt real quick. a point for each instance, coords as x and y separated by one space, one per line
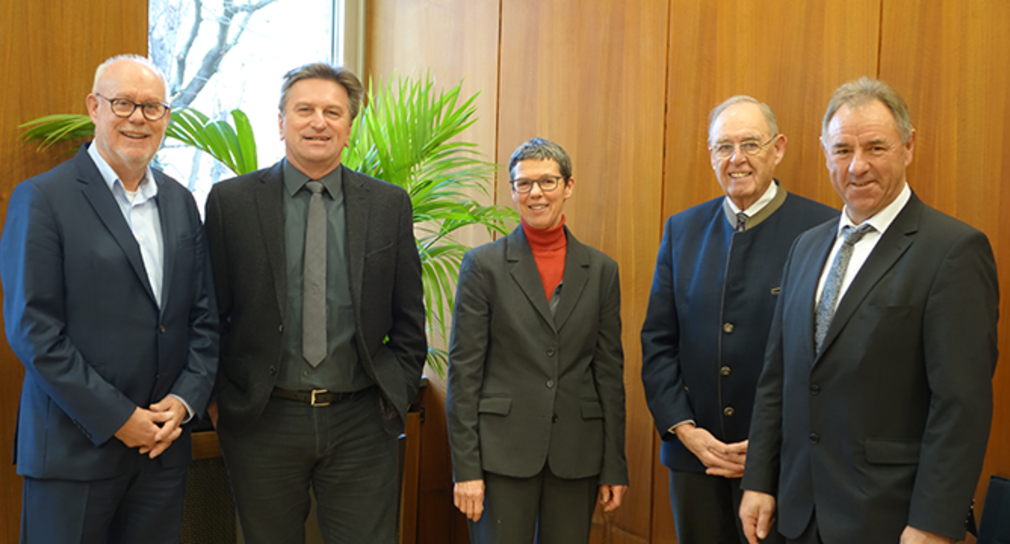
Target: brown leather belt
315 397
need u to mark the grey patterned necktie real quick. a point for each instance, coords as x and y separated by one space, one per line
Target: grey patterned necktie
741 222
314 286
833 286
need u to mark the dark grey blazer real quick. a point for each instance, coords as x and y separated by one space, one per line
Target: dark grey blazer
888 425
526 388
245 230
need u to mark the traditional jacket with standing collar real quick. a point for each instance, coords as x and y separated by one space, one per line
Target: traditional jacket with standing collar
710 309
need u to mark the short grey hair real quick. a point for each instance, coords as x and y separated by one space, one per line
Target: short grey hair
320 70
773 123
863 91
146 62
542 149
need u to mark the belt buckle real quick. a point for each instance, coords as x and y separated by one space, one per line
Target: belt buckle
313 402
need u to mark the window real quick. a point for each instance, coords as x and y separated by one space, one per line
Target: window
220 55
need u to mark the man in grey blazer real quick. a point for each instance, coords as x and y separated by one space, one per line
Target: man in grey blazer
319 289
535 400
872 413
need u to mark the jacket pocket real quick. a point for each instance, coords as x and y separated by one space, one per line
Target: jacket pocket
495 405
892 452
591 409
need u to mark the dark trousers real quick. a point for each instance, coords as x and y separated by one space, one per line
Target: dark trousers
340 451
706 509
544 509
143 504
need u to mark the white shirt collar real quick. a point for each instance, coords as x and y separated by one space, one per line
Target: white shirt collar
756 207
882 219
147 188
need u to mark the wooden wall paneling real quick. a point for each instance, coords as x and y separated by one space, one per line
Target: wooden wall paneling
791 55
455 40
593 81
946 59
50 50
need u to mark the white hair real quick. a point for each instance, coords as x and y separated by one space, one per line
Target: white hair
146 62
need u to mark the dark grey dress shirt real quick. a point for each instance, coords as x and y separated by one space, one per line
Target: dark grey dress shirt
341 369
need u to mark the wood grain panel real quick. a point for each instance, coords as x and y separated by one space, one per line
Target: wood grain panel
50 50
593 81
454 40
791 55
947 60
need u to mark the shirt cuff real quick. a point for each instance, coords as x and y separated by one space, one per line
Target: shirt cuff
189 409
672 427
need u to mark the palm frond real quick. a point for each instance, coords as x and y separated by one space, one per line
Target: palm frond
234 146
408 135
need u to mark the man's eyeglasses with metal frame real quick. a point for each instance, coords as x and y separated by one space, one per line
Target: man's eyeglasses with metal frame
750 148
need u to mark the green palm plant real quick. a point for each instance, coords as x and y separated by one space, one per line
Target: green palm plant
406 135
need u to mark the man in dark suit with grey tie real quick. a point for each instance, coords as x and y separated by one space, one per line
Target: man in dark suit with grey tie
108 304
873 410
319 289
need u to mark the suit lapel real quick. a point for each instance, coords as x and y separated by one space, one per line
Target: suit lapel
169 216
356 216
804 285
576 276
97 193
269 199
524 271
891 246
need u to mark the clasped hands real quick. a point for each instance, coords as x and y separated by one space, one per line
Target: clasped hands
153 430
719 458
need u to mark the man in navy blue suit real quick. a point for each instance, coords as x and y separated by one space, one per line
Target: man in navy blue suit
107 303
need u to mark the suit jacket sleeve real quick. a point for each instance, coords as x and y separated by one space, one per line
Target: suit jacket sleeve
36 320
407 338
608 371
959 333
196 381
661 375
467 353
218 261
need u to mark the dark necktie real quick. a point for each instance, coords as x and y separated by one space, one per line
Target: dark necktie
314 286
833 285
741 222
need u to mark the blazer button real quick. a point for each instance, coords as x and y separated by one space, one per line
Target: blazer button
725 371
162 329
550 384
814 438
280 328
550 352
554 418
729 411
815 389
273 370
727 328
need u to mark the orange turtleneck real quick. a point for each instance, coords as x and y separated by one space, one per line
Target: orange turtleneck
549 248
